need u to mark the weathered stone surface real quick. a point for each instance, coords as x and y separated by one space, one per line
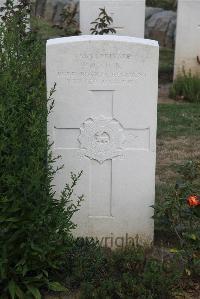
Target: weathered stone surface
51 9
188 37
150 11
104 123
40 6
59 9
128 15
171 34
161 27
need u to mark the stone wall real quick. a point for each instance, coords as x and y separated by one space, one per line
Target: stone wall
161 25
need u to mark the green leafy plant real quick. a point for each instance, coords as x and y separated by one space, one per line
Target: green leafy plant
102 24
190 171
186 87
35 227
180 213
131 273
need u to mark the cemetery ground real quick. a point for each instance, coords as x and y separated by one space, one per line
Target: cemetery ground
166 271
178 143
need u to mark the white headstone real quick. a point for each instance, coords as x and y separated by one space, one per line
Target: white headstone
128 15
104 123
188 37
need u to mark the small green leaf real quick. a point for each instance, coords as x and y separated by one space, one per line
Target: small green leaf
19 293
45 273
25 270
57 287
12 289
36 248
12 219
193 237
174 250
34 291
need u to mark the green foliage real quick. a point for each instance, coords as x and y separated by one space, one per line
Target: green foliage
44 29
190 171
138 279
35 228
186 87
102 24
166 4
175 214
125 273
175 120
86 261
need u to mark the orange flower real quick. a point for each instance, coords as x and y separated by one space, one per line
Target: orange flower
193 200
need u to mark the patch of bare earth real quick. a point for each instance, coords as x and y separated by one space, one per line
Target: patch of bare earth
170 151
175 151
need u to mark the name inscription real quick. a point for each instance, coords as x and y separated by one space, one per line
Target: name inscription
102 68
100 77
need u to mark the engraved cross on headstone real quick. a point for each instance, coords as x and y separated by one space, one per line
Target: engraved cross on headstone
101 139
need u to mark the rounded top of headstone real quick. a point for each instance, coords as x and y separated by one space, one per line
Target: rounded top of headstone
113 38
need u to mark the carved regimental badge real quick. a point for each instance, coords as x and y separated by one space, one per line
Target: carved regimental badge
102 138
